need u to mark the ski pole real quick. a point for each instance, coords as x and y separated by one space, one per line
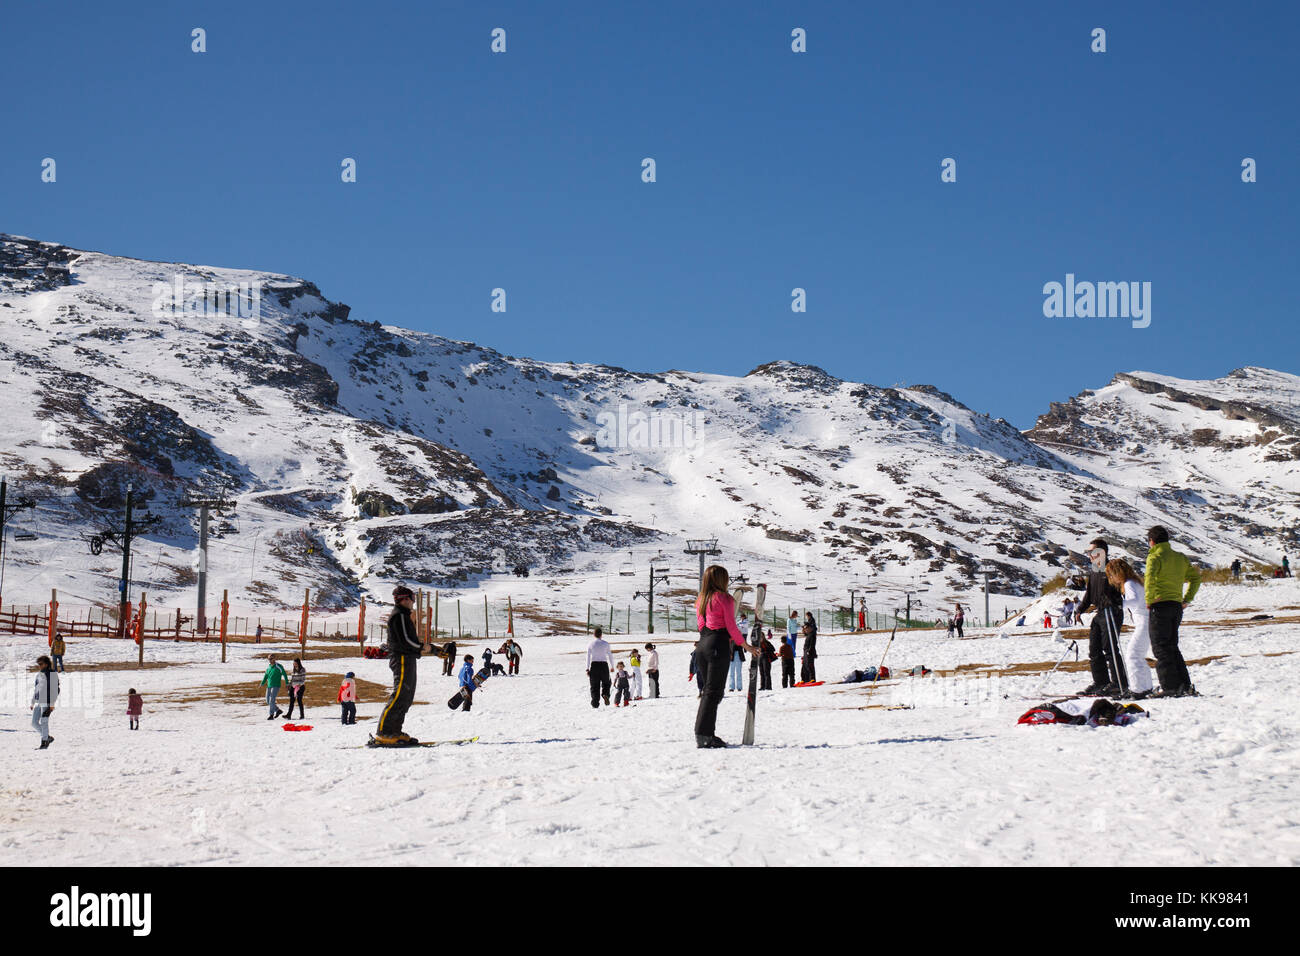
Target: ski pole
882 664
1070 646
1120 677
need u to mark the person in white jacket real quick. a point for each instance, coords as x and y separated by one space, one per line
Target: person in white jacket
44 695
600 661
652 669
1135 645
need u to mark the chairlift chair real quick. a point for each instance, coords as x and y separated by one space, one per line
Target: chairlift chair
627 569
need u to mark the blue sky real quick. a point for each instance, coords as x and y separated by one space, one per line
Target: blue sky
775 170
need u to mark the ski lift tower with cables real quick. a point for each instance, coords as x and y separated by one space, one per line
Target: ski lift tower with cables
205 505
656 578
702 547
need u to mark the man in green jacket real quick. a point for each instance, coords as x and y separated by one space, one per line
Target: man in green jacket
271 680
1167 572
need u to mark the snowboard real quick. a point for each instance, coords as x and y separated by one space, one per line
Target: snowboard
460 694
422 743
760 596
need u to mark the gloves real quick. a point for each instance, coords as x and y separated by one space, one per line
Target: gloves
47 711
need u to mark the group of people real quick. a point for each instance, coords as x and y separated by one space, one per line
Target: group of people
1154 603
603 674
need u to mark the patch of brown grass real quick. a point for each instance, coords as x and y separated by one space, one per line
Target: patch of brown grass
322 690
122 666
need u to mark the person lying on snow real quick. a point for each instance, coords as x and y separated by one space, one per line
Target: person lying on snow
1103 713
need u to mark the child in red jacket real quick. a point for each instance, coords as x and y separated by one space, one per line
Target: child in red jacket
134 708
348 698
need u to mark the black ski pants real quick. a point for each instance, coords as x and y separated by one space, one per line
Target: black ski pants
653 677
764 674
809 669
1166 616
599 676
787 672
1104 659
349 712
712 662
399 701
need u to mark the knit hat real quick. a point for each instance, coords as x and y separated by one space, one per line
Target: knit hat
402 591
349 674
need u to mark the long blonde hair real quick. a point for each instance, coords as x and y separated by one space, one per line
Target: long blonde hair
1119 571
716 580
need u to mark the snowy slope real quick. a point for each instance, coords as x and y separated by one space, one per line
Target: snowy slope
361 453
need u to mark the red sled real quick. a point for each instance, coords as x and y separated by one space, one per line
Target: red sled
810 683
295 726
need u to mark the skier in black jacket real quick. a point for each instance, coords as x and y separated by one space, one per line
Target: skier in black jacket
404 646
1103 637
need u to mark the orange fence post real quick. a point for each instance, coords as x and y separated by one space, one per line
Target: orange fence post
302 628
54 616
361 624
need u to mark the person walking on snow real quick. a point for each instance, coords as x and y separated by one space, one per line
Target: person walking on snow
599 661
347 697
57 649
134 708
297 688
1103 660
404 648
634 661
466 679
1236 568
1137 644
44 695
958 620
271 680
622 679
1167 572
448 659
715 617
652 670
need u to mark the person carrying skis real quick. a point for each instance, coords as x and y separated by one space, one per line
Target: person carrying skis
809 669
347 697
1103 650
599 661
1137 644
634 662
44 695
622 691
271 680
404 648
652 670
715 617
765 662
466 678
1167 572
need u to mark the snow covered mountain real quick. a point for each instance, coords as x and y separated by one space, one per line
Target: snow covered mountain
360 453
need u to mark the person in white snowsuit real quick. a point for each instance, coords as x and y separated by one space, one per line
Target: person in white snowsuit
44 695
1136 645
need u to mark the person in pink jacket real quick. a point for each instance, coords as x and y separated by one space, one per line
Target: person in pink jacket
348 698
715 614
134 708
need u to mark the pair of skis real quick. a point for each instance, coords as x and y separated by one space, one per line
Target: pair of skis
756 635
